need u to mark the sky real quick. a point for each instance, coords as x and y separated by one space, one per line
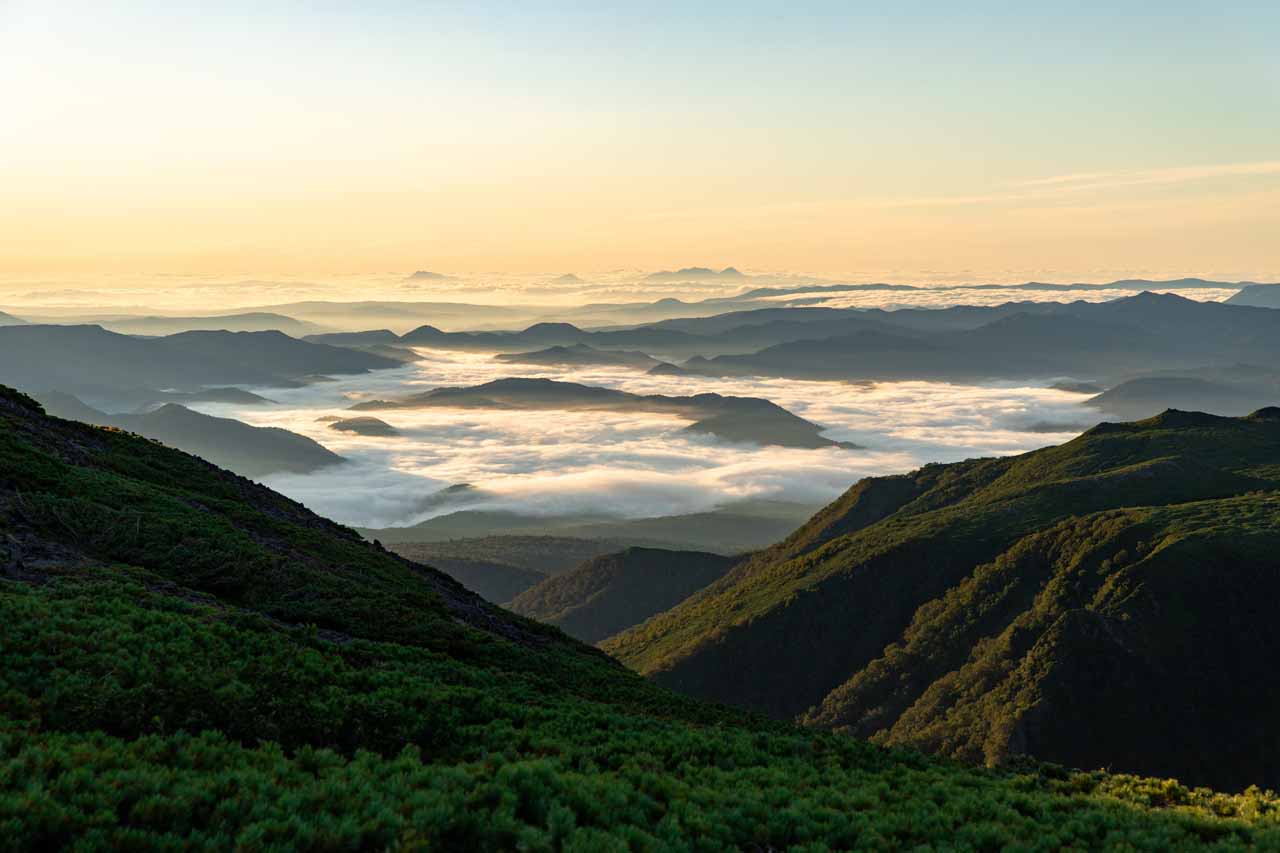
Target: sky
847 139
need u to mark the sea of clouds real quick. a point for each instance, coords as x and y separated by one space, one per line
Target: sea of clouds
635 465
568 463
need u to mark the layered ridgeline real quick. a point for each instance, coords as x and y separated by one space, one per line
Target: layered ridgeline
1234 390
580 355
79 359
251 321
1107 602
1103 341
193 661
501 567
735 528
612 592
1259 295
247 450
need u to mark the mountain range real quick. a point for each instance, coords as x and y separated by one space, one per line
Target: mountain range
695 274
259 321
1091 603
1103 341
250 451
1236 390
89 358
580 355
734 528
1257 295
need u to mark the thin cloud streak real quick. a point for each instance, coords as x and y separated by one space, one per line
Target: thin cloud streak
1176 174
1057 186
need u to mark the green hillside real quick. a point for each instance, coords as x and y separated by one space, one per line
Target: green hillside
610 593
194 662
493 581
1039 604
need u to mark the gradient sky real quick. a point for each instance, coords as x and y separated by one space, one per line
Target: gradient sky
841 138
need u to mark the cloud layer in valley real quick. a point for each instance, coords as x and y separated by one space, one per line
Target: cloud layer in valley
630 465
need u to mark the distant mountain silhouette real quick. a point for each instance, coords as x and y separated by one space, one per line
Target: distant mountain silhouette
10 320
580 354
342 339
1228 391
402 315
1073 386
250 451
1257 295
694 274
138 399
261 321
734 528
427 275
74 358
707 336
374 427
381 342
748 419
1104 340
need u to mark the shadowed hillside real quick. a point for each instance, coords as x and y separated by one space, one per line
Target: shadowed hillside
1026 605
501 567
611 593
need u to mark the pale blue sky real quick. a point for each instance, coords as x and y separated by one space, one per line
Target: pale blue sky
610 107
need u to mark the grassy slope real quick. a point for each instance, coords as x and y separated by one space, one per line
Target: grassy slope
972 508
1137 639
194 662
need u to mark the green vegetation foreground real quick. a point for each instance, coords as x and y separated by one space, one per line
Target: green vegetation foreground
193 661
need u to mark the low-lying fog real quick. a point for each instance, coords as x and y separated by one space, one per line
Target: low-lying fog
947 297
556 463
520 299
